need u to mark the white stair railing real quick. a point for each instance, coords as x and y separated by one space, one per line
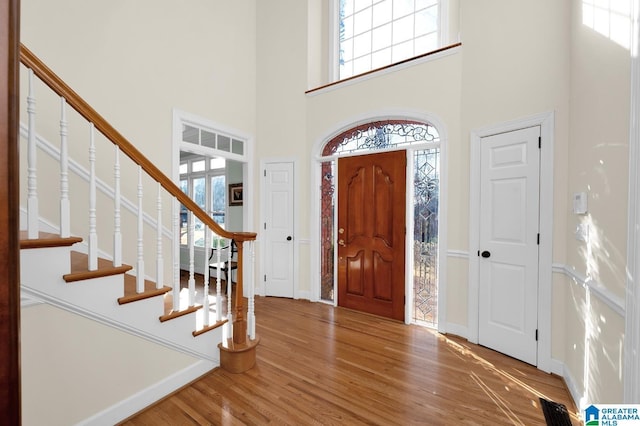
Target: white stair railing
176 256
218 246
32 180
93 233
117 233
229 291
192 245
67 96
251 311
159 256
205 274
65 212
140 262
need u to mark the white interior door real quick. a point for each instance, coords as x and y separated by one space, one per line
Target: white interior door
509 227
278 229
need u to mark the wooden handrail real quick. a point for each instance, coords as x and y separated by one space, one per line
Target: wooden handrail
56 84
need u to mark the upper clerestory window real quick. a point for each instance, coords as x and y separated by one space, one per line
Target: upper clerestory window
375 33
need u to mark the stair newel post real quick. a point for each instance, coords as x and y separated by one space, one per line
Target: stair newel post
251 314
176 255
159 257
205 292
65 212
117 234
32 181
191 240
218 285
93 235
140 263
239 320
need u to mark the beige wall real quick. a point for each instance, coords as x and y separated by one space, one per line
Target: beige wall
64 383
134 62
598 165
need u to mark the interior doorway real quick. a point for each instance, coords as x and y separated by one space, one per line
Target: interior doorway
211 164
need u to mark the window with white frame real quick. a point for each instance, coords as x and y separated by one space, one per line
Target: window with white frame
376 33
204 180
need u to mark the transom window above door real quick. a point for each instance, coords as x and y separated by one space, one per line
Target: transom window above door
376 33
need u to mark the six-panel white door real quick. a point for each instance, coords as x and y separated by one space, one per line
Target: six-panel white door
278 229
509 226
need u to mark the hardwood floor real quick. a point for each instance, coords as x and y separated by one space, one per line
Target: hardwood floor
317 364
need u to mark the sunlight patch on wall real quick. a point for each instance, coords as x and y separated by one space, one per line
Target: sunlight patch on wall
610 18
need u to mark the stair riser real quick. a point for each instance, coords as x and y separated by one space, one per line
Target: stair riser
42 270
44 265
173 330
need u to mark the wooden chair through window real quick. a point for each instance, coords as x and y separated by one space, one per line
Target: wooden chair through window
224 265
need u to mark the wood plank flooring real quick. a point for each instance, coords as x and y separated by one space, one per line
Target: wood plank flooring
320 365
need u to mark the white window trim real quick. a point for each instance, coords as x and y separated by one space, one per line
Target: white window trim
181 117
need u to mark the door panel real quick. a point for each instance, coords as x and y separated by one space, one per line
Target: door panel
509 223
278 229
371 233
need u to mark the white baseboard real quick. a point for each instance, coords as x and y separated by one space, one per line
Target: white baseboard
557 367
306 295
457 329
130 406
576 393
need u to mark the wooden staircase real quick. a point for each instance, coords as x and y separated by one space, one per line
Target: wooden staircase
52 271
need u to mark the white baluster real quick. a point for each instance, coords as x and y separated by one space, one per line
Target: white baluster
176 255
205 293
192 280
218 284
93 235
65 212
117 234
159 258
229 294
252 291
32 181
140 264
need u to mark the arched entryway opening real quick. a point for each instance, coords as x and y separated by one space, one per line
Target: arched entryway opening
421 142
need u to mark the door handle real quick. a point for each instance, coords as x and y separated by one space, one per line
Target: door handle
289 238
341 243
486 254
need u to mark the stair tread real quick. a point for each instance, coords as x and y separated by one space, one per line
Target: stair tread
150 290
170 314
210 327
46 239
80 269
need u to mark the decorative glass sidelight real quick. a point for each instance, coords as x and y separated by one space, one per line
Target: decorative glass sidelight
425 235
391 134
327 218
